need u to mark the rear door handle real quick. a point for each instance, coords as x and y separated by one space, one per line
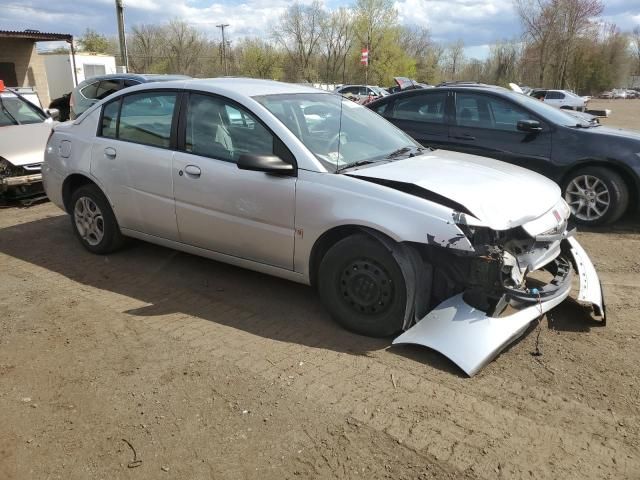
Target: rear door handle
464 137
192 170
110 152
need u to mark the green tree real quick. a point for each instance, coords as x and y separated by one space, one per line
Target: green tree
94 42
259 59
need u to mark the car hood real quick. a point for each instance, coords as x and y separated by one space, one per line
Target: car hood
24 144
614 132
500 195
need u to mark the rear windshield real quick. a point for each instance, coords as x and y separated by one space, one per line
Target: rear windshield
15 111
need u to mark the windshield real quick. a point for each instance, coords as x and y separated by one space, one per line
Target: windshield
339 132
546 111
15 111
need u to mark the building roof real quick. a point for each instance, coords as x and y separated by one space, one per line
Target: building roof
36 35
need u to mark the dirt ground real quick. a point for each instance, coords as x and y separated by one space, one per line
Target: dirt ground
624 113
210 371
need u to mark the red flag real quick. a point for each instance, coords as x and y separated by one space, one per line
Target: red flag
364 58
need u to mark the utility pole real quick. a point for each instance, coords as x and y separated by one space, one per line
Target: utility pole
121 36
222 26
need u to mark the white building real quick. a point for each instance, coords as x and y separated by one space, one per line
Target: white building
59 68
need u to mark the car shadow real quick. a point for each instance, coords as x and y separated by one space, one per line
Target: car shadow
171 282
628 224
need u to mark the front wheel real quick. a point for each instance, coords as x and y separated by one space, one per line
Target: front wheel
362 286
596 196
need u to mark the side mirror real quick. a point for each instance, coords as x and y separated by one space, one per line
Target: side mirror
53 113
532 126
265 163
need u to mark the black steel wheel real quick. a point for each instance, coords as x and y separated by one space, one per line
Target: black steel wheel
362 286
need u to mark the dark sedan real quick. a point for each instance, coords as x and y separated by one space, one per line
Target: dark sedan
598 168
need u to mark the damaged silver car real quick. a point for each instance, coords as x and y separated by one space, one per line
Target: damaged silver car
24 130
460 252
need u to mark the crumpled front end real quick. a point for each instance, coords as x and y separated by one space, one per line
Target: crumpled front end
514 277
20 181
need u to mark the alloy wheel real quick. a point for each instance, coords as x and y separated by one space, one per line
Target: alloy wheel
588 197
89 220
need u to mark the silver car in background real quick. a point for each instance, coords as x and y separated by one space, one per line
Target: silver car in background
94 89
460 252
24 130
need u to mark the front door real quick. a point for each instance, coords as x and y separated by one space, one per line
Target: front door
486 125
219 207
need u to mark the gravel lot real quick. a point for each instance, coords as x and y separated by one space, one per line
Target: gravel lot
210 371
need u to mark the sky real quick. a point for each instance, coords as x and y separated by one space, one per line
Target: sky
477 22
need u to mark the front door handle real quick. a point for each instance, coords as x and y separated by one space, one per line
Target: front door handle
110 152
192 170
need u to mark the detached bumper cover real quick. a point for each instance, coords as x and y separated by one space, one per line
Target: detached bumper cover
471 339
9 182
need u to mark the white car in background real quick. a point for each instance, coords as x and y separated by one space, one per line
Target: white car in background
562 99
462 252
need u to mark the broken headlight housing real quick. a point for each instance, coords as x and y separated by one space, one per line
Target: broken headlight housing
7 169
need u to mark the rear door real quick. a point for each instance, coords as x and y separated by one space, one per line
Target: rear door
486 125
132 158
555 98
423 115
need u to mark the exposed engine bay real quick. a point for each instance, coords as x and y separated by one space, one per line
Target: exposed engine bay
471 305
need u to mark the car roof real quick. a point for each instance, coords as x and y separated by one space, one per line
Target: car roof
141 77
247 87
443 87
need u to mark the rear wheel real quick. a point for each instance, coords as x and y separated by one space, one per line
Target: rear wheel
93 220
596 196
362 286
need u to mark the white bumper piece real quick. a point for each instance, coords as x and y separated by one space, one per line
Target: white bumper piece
471 339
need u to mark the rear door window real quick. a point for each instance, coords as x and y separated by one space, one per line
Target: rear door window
426 107
110 119
90 91
144 118
107 87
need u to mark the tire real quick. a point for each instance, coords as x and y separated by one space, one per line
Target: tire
93 220
600 180
362 286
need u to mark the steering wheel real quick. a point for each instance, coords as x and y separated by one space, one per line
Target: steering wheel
339 138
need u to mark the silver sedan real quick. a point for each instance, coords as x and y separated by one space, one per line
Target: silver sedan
460 252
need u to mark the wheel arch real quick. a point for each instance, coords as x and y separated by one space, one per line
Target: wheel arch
71 184
330 238
628 177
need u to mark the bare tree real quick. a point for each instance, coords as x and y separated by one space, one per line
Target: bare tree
455 59
184 45
145 47
503 63
635 48
337 37
539 22
299 34
554 27
575 20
